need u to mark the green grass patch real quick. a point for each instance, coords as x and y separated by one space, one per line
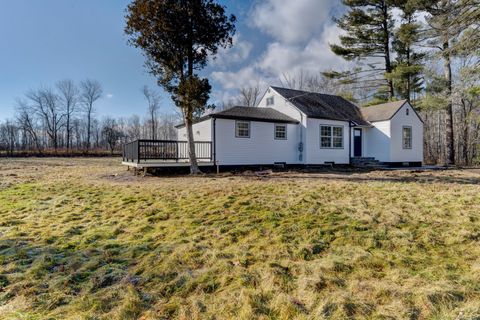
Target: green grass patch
76 245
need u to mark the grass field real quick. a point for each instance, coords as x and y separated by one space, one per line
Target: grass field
85 239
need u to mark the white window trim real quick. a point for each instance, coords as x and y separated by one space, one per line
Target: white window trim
275 131
411 138
332 136
236 127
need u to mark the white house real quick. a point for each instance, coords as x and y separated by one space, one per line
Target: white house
295 127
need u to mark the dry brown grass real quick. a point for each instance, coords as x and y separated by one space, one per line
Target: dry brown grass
85 239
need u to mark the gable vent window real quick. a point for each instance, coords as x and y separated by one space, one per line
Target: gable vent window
408 111
407 137
331 137
242 129
270 101
280 132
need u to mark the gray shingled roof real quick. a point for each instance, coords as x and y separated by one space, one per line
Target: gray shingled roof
253 113
248 113
323 106
380 112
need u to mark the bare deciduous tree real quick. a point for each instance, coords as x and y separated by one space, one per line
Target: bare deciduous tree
91 91
249 95
153 99
45 104
68 94
110 133
8 135
27 123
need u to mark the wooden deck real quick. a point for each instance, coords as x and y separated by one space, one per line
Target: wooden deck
164 164
141 154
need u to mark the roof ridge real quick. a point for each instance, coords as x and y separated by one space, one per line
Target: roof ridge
403 101
305 91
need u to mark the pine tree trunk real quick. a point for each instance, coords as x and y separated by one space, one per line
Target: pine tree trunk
194 169
450 141
386 46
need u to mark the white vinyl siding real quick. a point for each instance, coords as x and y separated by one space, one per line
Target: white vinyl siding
391 141
398 123
377 141
202 131
242 129
315 154
261 149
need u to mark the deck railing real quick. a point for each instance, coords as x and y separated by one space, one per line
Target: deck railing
165 150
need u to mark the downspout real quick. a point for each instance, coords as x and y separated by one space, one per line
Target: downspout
214 142
300 145
350 142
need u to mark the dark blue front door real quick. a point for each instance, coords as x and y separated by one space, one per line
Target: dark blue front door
357 142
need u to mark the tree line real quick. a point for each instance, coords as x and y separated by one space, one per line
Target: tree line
428 53
62 120
425 51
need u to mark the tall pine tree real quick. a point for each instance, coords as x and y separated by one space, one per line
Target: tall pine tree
177 37
369 28
407 71
445 22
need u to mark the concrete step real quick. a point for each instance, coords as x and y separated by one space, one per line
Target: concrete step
366 162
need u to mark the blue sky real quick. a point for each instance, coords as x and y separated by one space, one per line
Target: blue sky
49 40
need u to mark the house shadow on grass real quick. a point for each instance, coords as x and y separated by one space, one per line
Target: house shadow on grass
436 176
457 176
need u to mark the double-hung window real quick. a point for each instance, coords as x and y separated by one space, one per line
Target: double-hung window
407 137
280 132
242 129
331 137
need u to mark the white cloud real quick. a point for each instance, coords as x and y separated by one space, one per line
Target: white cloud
315 56
302 32
279 59
239 52
291 21
109 95
245 77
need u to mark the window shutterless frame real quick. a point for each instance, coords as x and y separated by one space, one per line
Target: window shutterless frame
242 129
407 139
331 137
280 132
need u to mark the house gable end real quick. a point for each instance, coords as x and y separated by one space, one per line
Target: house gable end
281 104
407 104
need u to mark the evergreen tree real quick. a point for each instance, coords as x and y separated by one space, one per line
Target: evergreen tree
369 28
177 37
446 20
407 71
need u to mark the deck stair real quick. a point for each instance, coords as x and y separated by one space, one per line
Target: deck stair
366 162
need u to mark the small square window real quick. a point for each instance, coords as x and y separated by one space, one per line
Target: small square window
242 129
280 132
270 101
408 111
